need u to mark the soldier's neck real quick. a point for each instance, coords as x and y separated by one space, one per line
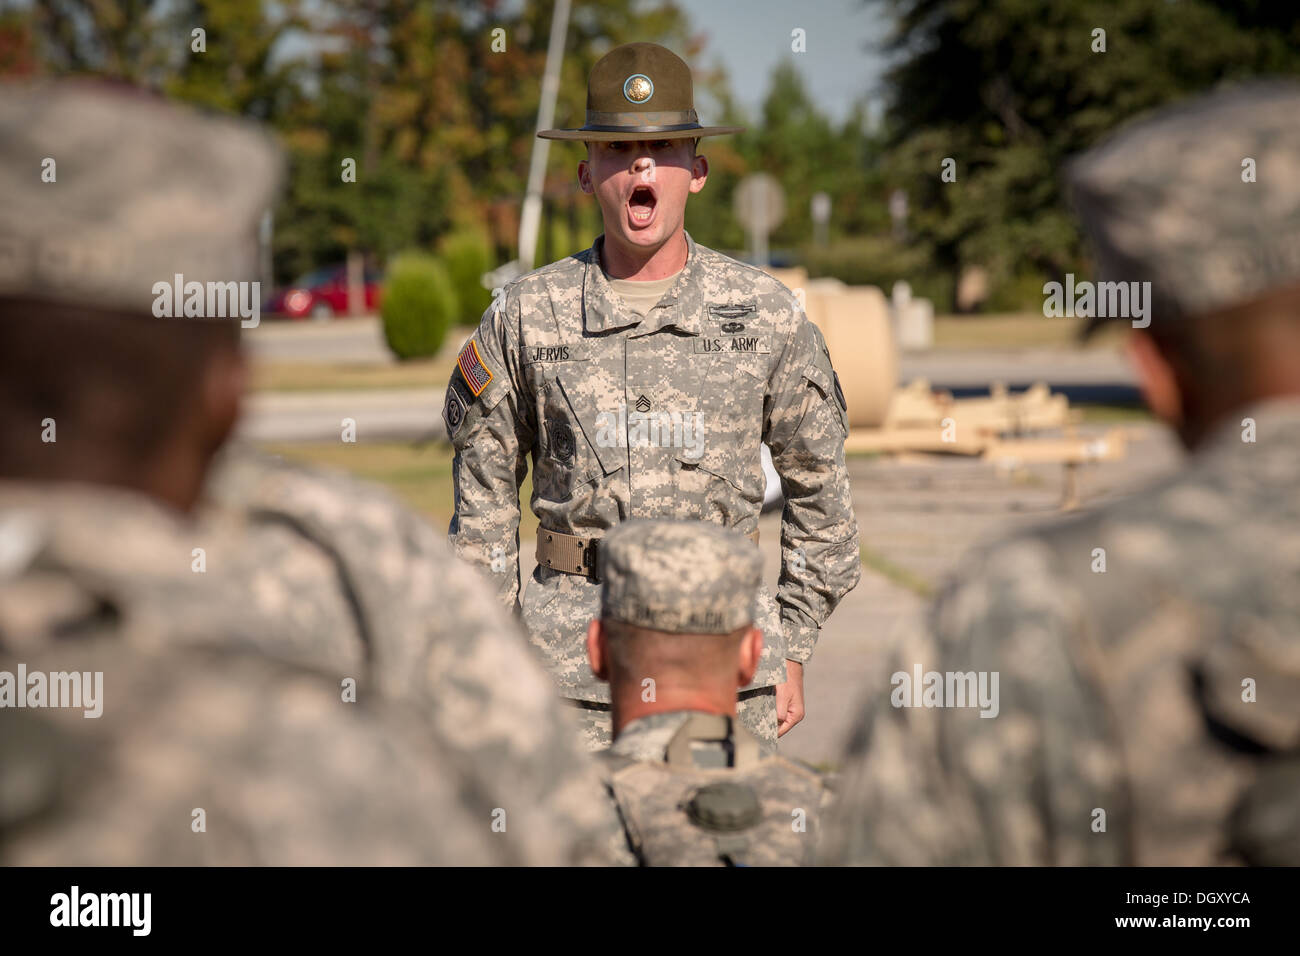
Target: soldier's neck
644 264
627 703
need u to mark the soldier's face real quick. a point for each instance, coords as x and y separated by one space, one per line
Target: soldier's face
642 186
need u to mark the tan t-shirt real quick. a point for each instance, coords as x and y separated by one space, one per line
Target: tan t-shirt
641 297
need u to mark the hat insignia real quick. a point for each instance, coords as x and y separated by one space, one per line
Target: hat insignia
638 88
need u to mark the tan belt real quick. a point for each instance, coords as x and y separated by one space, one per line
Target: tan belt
575 555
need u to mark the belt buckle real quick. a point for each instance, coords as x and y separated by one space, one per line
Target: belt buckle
589 558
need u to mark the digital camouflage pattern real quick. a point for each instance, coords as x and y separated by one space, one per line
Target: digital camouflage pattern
146 189
384 583
1162 202
328 573
283 772
655 797
1164 690
642 583
567 358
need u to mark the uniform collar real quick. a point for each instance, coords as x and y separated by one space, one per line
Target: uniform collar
647 738
1277 435
603 308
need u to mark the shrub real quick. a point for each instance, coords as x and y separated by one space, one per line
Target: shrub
419 305
467 256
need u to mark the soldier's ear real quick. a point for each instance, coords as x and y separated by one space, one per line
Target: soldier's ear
699 173
225 379
1156 378
597 651
751 649
584 177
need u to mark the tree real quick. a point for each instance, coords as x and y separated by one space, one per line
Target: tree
1011 89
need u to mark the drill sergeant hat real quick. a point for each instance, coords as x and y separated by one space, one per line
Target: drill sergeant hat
682 577
640 91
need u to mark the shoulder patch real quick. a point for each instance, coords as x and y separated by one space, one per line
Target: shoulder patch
470 363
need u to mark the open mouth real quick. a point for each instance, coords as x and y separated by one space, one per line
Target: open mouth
641 205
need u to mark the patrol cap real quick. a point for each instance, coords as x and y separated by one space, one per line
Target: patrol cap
640 91
684 577
1169 200
108 190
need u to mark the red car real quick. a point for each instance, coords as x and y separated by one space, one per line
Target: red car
322 294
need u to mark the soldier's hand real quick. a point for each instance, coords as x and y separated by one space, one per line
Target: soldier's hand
789 698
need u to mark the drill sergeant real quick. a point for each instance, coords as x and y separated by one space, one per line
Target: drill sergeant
642 376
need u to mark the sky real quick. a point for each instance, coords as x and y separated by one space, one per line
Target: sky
750 37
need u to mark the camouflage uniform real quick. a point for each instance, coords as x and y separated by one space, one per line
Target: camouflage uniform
282 571
285 774
697 809
1164 690
561 353
694 788
362 585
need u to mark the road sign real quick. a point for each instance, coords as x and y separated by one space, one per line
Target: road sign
760 207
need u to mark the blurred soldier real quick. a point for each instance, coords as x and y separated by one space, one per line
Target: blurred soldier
208 754
119 382
642 377
691 784
1148 707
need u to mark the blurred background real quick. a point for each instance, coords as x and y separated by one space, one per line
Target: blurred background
409 130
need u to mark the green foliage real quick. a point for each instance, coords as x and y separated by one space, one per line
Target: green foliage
1012 89
419 305
795 142
466 255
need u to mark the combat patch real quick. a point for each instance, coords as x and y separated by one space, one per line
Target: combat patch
732 310
752 344
567 352
470 364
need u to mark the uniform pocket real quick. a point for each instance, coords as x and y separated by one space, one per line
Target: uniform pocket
569 454
823 378
731 422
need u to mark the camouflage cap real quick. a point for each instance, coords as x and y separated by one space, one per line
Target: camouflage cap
683 577
1201 199
109 190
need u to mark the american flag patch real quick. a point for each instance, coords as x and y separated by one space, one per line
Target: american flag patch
477 375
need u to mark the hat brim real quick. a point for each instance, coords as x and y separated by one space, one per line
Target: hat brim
607 135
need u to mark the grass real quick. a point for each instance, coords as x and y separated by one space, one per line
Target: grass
1115 414
1016 330
331 376
895 573
417 472
420 474
289 376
